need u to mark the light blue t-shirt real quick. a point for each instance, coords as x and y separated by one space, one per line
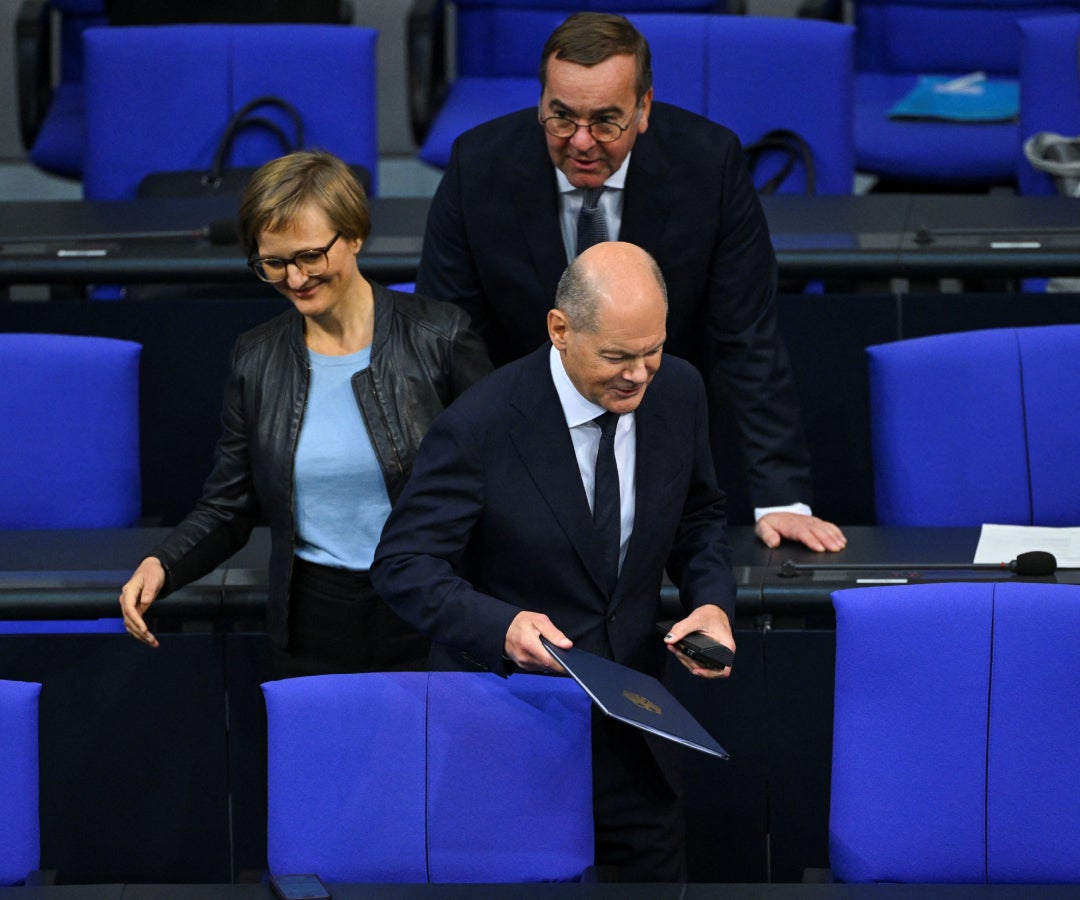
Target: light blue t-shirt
340 495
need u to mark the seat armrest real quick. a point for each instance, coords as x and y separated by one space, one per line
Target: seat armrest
33 67
426 59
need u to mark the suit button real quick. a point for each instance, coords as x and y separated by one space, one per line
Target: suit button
611 618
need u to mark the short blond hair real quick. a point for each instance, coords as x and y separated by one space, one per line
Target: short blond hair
279 189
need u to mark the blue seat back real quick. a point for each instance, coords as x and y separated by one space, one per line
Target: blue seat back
430 774
956 757
752 74
975 427
143 118
898 40
20 837
500 38
70 454
769 73
1049 88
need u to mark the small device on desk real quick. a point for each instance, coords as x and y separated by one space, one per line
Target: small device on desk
299 887
701 648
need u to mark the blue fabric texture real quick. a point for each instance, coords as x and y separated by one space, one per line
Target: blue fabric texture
70 408
956 743
20 836
423 777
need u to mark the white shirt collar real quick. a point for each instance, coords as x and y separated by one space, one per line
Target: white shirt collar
576 408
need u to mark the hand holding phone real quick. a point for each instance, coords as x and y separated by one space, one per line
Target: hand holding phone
700 648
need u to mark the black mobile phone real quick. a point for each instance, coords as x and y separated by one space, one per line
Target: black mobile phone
299 887
701 648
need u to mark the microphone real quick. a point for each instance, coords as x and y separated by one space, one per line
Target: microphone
1033 563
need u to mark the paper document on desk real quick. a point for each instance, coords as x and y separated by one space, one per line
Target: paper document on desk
1002 543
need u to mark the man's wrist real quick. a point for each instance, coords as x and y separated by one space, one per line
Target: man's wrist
800 509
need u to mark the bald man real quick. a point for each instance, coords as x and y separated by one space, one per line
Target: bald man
493 544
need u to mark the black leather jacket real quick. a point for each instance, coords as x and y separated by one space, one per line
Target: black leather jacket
423 354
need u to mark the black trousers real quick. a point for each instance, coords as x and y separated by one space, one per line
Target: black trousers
338 624
637 804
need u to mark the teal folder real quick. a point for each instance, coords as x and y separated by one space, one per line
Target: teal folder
969 98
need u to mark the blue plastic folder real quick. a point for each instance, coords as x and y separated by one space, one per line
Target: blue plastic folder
968 98
635 698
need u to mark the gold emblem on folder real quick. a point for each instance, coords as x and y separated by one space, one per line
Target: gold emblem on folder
643 702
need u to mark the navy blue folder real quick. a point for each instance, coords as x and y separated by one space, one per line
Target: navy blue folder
635 698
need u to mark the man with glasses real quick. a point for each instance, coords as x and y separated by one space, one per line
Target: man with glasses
504 223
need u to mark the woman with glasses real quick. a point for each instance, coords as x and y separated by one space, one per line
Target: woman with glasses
324 409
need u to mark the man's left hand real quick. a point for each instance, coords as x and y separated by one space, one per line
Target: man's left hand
815 533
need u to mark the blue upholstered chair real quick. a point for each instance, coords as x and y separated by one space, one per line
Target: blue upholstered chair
49 80
753 74
1049 88
496 45
70 414
975 427
956 739
429 777
899 40
158 97
19 827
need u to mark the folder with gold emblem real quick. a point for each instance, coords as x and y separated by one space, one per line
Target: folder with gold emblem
635 698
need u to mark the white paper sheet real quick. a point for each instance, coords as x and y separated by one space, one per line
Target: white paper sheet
1003 543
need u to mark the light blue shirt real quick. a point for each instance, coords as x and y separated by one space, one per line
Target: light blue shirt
340 494
585 434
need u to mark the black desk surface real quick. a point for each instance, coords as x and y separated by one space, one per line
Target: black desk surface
78 574
554 891
888 235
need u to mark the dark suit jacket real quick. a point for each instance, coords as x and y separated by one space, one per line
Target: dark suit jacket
495 520
493 245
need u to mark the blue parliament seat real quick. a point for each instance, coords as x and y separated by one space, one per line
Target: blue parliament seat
49 80
70 414
956 735
158 98
900 40
49 59
754 74
978 426
1049 88
496 48
448 777
20 837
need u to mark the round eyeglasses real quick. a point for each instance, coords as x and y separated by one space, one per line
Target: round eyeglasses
603 130
274 269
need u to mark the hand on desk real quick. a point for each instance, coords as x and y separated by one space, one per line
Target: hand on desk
711 620
815 533
136 596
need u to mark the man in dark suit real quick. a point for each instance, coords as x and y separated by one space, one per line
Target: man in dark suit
502 228
497 539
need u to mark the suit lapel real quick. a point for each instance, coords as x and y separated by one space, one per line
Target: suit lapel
536 208
645 212
542 440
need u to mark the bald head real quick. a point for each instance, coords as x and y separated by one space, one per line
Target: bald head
611 274
609 324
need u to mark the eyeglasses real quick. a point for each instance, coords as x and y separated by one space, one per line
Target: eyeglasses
310 262
603 130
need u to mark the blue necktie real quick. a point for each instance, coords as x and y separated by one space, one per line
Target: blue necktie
591 227
607 518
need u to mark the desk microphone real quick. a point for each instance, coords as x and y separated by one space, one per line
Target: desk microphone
1031 563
